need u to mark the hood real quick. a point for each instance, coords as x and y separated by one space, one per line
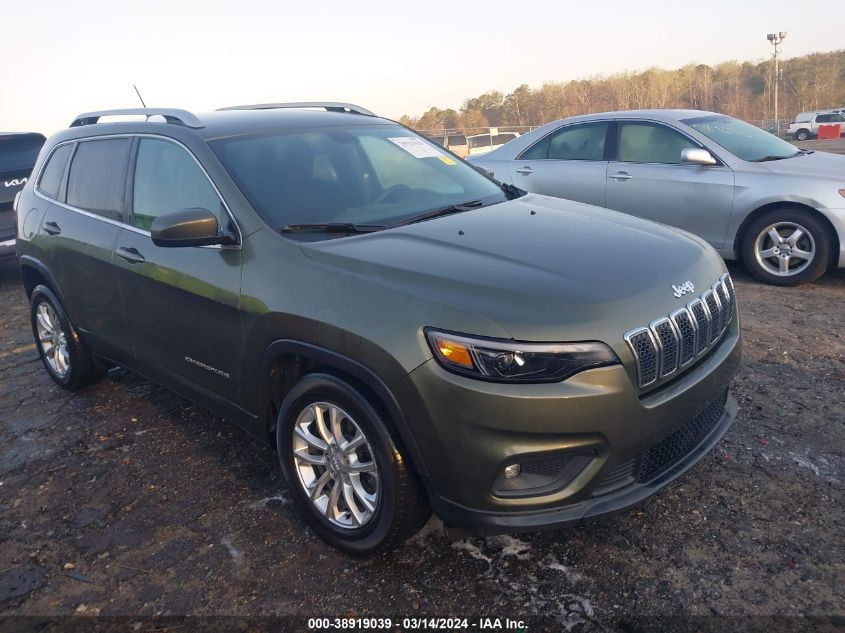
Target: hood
541 268
815 165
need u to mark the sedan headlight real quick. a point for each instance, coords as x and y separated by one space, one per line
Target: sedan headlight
508 361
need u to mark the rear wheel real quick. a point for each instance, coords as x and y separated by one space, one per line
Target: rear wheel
786 247
63 353
348 477
802 135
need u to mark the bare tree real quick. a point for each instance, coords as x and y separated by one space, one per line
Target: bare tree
743 90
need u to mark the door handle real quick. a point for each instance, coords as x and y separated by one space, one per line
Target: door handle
51 228
621 175
131 255
525 171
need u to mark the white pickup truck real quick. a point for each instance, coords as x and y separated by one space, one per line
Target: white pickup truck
806 125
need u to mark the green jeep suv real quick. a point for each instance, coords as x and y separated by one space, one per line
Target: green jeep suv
409 334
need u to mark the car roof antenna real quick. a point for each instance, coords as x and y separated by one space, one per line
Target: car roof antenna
137 92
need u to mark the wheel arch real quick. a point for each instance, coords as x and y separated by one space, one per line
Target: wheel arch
34 273
756 213
284 361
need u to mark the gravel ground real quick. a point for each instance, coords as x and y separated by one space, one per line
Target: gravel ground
127 499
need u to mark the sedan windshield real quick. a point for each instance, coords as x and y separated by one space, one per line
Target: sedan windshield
375 175
742 139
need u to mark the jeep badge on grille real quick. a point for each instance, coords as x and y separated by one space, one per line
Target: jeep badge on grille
683 289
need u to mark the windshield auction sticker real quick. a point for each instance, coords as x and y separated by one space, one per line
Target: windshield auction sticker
416 146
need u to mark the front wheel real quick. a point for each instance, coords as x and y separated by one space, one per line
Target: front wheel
348 477
786 247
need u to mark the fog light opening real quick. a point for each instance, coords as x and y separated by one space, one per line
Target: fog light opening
539 474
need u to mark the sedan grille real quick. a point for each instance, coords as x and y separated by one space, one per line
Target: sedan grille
669 344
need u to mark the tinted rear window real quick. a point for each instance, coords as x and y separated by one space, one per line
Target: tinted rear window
501 139
457 139
97 177
51 177
18 153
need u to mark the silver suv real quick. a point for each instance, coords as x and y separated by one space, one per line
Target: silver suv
750 194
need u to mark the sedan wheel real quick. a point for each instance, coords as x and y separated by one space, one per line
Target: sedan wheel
787 246
785 249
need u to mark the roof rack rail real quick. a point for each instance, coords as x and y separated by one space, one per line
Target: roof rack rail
330 106
171 115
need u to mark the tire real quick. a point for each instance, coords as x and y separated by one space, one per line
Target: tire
399 507
64 355
803 135
757 241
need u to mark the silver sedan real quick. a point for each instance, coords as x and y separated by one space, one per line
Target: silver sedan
751 195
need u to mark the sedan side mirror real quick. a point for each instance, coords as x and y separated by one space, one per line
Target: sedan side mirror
188 227
697 156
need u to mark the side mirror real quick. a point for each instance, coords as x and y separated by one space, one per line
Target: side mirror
188 227
697 156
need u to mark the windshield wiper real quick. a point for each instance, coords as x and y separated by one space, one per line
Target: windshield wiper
436 213
512 191
774 157
332 227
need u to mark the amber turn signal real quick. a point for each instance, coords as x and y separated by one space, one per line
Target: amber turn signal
453 352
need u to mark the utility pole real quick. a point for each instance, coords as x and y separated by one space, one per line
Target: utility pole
775 39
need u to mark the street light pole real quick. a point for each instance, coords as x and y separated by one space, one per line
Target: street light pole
775 39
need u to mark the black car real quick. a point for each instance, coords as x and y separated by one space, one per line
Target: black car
18 152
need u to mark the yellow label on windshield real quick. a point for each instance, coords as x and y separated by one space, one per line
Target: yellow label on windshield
447 160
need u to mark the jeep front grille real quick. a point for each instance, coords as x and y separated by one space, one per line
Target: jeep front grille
669 344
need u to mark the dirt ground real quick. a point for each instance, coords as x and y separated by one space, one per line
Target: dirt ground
127 499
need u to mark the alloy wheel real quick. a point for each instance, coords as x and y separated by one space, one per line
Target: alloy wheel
335 465
52 339
784 248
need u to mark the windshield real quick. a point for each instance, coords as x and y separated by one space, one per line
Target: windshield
742 139
374 175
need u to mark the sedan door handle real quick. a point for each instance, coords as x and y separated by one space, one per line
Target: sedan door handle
525 171
621 175
131 255
51 228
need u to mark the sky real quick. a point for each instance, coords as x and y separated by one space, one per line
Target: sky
62 58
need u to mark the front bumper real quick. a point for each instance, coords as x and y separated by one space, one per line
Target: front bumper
468 431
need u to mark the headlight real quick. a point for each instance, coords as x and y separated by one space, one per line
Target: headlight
508 361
